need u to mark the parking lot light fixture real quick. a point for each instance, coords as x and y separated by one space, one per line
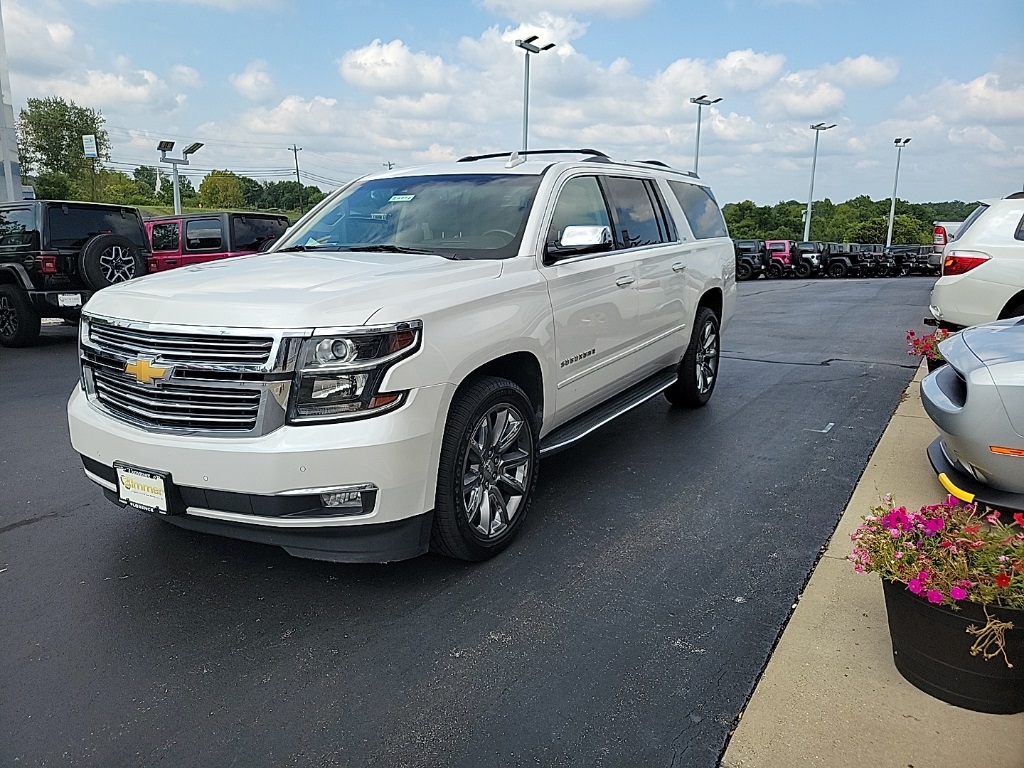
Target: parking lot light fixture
817 128
700 101
529 46
899 143
163 148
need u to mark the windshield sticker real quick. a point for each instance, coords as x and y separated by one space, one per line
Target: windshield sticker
401 198
312 241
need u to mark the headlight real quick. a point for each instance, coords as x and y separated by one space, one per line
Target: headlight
339 376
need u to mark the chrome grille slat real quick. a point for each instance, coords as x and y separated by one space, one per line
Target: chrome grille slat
171 391
182 347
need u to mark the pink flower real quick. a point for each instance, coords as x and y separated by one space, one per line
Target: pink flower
897 555
915 586
934 596
858 568
922 576
897 520
933 526
958 593
993 518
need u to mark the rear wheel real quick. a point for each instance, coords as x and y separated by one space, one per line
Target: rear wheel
698 372
487 472
837 269
743 271
803 269
774 270
19 323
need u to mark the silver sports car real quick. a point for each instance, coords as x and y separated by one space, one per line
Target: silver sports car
977 402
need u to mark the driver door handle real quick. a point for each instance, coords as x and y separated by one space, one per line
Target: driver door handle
622 282
679 267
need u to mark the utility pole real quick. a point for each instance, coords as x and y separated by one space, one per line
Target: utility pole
388 164
295 151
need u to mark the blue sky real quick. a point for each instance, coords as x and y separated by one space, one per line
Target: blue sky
360 83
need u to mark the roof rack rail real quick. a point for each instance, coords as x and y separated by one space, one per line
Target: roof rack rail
595 154
1015 196
654 162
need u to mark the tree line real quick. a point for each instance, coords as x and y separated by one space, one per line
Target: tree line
53 162
859 220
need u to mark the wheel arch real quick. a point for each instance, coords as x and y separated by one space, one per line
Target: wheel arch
523 369
1014 303
714 300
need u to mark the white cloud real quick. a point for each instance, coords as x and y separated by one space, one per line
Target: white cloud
737 72
184 76
977 136
861 72
393 68
985 98
522 9
254 82
137 89
37 46
801 95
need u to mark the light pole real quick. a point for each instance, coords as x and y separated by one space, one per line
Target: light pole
817 128
166 146
701 101
528 46
899 144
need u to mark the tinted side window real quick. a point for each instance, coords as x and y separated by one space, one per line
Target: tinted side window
16 227
701 210
204 235
248 233
1019 234
637 220
166 237
580 204
71 227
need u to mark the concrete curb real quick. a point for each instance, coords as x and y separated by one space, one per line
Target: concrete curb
830 695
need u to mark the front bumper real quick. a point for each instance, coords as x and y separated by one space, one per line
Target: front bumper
267 488
964 487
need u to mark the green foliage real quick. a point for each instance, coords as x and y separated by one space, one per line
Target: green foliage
50 134
117 187
858 220
222 189
55 186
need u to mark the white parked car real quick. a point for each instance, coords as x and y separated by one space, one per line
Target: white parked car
386 378
983 268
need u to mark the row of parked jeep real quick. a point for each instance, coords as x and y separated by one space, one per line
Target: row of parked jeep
792 258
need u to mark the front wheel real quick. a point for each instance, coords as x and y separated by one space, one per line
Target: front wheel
487 472
698 372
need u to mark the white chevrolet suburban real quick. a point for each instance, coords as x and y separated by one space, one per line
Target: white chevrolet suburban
385 380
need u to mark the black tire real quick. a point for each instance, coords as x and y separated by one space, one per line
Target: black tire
837 269
19 322
1015 311
458 522
266 245
803 270
744 271
774 270
109 259
698 371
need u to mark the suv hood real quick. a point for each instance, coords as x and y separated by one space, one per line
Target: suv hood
287 290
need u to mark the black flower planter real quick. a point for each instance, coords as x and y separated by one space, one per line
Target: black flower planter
934 364
932 650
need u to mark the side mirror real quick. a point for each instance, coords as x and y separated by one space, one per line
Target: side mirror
578 240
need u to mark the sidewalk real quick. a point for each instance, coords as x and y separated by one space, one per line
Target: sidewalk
830 695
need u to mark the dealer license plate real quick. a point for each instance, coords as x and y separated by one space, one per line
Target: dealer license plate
141 488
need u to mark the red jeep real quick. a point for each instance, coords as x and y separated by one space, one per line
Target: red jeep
781 253
210 236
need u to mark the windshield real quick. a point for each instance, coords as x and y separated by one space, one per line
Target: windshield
471 216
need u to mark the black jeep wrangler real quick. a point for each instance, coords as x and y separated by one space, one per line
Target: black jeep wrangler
54 254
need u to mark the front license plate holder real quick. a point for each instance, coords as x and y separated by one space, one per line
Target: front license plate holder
145 489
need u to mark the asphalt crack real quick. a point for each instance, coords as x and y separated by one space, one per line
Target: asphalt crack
825 362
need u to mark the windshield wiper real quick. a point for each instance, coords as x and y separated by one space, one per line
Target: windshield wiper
392 248
299 248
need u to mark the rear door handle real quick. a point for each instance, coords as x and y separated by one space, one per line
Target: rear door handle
622 282
679 267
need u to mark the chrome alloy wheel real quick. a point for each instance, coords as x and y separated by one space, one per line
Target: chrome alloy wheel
8 318
707 358
496 470
117 264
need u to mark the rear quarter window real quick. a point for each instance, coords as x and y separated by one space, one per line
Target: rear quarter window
701 210
16 227
204 235
166 236
637 215
248 233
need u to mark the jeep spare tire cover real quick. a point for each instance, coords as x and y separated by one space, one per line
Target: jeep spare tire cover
109 259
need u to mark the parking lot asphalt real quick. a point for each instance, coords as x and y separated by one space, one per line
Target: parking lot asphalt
628 624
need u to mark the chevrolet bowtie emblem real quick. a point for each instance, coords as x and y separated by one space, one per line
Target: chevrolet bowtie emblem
146 371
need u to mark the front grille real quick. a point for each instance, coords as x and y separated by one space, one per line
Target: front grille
179 406
173 347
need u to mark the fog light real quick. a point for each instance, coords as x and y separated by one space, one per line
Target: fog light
343 500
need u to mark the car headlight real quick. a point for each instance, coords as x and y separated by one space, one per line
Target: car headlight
339 376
